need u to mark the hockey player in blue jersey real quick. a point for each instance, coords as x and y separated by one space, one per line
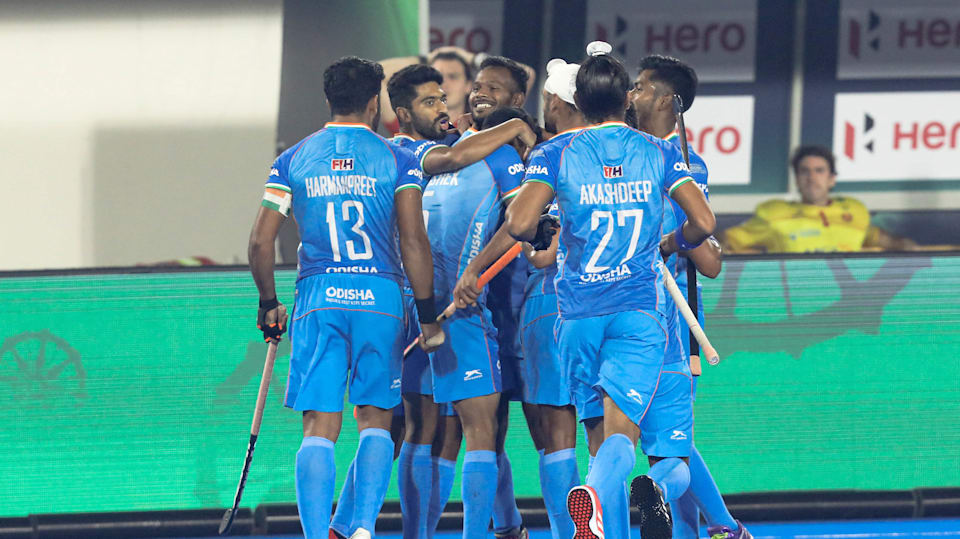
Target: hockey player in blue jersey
352 192
544 386
610 188
651 105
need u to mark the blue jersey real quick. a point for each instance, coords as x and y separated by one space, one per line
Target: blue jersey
340 183
610 184
462 210
541 281
675 215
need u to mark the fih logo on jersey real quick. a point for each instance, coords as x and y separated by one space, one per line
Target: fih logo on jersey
342 164
851 133
613 172
858 36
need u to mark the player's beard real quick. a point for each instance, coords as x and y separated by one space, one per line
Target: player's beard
630 118
430 129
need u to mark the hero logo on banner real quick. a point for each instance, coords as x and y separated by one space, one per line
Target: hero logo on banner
897 136
476 26
720 130
718 39
896 39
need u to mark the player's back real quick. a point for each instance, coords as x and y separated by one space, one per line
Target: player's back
611 186
462 210
343 179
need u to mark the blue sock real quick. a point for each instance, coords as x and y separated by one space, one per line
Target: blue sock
445 472
478 490
506 516
707 494
547 495
614 462
560 467
316 473
590 463
672 476
686 516
372 477
415 471
343 516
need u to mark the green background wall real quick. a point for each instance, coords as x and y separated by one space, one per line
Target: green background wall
135 391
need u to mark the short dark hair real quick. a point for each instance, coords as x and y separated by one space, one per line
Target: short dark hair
517 73
402 87
448 55
350 83
681 78
602 86
814 151
503 114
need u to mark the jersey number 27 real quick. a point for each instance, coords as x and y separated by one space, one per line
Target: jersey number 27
607 215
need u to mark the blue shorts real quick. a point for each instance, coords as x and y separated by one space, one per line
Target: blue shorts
667 428
466 365
620 354
416 367
345 328
541 371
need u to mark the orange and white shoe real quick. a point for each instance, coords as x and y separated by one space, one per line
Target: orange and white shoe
583 504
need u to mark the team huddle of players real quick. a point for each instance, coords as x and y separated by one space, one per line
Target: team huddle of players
578 329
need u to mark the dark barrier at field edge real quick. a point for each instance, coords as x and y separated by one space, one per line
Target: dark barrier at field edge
272 519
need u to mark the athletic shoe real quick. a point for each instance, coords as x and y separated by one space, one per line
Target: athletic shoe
584 508
655 521
516 533
723 532
361 533
334 534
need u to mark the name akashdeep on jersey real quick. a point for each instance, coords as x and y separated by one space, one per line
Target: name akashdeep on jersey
610 185
541 281
340 183
462 210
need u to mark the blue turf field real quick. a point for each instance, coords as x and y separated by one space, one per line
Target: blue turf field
858 529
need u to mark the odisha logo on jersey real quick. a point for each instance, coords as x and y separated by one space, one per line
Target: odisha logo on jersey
350 294
613 172
341 164
613 275
515 168
352 269
415 172
536 169
680 166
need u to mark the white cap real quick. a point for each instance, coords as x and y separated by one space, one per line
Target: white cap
596 48
561 79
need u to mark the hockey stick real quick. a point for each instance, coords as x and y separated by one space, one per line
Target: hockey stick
227 519
482 281
701 338
693 300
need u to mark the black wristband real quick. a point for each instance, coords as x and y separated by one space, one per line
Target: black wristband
426 310
268 304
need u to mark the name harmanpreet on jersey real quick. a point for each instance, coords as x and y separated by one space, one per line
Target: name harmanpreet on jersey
610 184
340 183
541 281
463 208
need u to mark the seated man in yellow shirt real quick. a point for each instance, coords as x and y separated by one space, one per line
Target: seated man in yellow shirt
818 223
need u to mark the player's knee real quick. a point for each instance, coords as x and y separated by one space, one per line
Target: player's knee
369 416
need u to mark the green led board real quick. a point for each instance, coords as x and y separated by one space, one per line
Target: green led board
135 391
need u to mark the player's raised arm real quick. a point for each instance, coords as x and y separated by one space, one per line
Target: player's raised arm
681 187
440 159
523 215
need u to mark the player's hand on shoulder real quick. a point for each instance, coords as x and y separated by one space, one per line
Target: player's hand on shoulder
527 137
272 320
464 122
465 293
432 338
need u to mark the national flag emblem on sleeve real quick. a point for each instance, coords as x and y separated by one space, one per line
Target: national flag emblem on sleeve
277 197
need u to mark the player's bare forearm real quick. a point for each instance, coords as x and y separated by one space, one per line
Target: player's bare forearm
447 159
523 214
708 257
700 218
414 244
261 251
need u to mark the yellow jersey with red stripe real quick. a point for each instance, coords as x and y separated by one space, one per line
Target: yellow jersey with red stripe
779 226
